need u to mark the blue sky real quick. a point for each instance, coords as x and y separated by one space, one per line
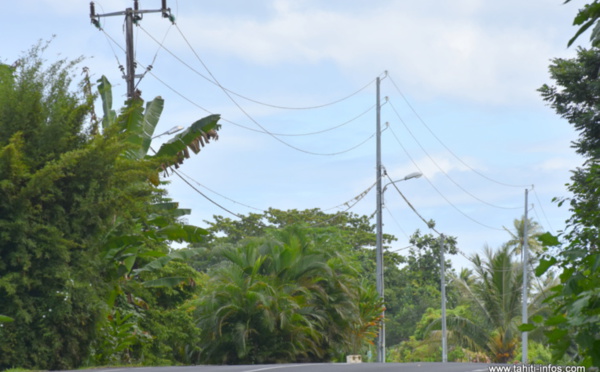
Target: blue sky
462 76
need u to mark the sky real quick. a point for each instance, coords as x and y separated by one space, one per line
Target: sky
295 85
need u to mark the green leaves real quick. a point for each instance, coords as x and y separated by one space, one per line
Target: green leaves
526 327
284 297
165 282
105 90
575 321
548 240
180 254
193 138
544 265
586 18
137 125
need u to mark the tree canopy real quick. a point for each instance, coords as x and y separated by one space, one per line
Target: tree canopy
575 326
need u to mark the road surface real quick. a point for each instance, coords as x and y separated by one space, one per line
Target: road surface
318 367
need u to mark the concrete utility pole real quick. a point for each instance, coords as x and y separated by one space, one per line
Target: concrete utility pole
525 255
131 16
379 242
443 290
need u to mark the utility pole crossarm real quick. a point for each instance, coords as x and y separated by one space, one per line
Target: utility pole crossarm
166 12
132 16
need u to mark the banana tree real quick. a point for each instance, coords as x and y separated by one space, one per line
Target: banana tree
138 126
143 251
126 254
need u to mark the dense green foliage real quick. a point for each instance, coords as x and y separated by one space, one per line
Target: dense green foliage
412 282
59 190
84 225
574 329
484 309
415 287
287 296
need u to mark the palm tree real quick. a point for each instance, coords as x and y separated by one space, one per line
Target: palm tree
533 231
493 293
283 298
495 298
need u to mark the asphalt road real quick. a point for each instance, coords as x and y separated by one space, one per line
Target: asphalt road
322 367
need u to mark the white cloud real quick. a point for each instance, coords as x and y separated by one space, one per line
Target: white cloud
559 164
449 51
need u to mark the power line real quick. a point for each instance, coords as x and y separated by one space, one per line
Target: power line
397 223
155 55
440 168
215 82
200 192
437 190
542 208
221 195
245 112
443 144
355 199
320 131
427 223
205 196
239 125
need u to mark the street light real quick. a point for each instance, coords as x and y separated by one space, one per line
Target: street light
175 129
379 256
407 177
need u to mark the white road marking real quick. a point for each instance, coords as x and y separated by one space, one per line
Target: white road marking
276 367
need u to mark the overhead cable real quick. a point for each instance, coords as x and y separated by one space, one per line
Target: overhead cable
440 168
308 133
542 209
266 132
436 189
205 196
215 82
200 192
239 125
155 55
443 144
254 120
427 223
354 200
397 223
221 195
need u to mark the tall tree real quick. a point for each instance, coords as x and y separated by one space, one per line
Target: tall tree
415 287
56 195
576 97
493 294
517 240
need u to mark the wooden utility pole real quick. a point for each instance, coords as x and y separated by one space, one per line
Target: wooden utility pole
131 16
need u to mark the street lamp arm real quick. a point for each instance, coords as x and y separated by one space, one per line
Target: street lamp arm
407 177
